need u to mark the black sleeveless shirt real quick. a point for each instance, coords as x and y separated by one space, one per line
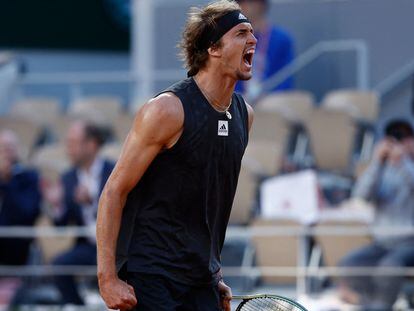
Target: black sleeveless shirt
175 219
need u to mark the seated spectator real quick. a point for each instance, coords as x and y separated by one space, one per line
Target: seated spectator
75 200
274 49
389 183
19 199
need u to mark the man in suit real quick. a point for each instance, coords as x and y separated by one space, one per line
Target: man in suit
78 200
19 199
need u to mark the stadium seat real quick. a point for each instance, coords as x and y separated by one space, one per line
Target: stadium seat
364 107
101 109
245 198
27 131
276 250
294 105
335 247
122 125
50 160
332 136
270 127
359 104
50 247
60 126
111 151
42 110
263 158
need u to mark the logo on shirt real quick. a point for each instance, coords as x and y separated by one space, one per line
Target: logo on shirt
223 128
241 16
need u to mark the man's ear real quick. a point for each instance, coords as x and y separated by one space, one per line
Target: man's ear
214 50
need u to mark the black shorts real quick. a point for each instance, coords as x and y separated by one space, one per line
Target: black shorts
157 293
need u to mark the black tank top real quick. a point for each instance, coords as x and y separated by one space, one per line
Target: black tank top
175 219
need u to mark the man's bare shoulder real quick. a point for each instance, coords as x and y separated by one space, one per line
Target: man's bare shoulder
165 107
161 119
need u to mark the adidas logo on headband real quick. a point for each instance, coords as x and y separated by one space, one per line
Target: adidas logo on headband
241 16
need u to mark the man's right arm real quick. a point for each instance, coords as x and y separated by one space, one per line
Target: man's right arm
158 125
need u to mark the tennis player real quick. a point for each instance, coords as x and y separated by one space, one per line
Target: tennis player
164 210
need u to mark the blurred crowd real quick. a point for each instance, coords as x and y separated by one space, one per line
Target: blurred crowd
71 200
387 182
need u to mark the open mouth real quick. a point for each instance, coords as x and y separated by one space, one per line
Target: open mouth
248 57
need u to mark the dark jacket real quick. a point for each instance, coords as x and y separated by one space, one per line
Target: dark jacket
20 200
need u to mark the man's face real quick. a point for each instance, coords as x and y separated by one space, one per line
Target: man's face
8 146
77 145
237 50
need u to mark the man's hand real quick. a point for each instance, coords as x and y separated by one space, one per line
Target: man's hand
383 150
397 153
117 294
225 295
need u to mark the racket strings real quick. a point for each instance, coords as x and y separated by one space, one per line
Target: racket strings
267 304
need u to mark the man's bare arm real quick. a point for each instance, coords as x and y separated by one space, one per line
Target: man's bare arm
157 126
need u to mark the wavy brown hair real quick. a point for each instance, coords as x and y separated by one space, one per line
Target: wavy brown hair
200 19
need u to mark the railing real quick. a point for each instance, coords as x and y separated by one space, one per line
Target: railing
394 80
301 272
145 77
76 80
358 46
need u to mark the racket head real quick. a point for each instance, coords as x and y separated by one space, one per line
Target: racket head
268 303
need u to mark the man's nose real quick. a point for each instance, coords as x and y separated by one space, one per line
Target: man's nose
252 38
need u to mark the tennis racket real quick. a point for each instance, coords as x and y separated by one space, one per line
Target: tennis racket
267 303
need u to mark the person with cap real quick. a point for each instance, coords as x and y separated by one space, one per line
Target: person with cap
163 213
388 182
275 49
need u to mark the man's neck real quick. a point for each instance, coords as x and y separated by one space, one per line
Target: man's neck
217 87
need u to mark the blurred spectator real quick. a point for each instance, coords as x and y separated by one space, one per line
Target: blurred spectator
75 200
389 183
274 49
19 199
